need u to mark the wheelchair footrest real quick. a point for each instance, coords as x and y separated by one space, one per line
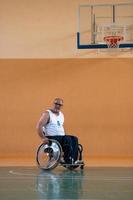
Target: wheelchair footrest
76 163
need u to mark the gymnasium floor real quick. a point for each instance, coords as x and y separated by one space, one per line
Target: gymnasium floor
93 183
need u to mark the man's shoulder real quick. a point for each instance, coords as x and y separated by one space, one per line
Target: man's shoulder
61 113
45 113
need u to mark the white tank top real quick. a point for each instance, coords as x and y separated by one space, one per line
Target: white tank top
55 125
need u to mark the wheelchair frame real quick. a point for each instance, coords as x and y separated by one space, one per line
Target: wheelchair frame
49 156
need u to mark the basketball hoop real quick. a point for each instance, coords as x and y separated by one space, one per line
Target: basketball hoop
113 41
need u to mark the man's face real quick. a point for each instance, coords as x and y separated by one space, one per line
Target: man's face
58 105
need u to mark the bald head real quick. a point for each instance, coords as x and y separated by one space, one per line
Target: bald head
58 101
57 104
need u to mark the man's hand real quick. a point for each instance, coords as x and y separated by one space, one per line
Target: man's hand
45 140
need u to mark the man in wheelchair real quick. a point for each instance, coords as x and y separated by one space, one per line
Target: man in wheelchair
50 126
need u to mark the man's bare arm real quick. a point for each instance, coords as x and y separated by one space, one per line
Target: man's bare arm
42 122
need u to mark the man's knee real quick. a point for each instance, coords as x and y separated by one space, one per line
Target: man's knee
75 138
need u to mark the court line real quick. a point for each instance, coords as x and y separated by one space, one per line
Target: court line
20 173
47 176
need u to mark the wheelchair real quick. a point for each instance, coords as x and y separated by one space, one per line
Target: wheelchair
50 155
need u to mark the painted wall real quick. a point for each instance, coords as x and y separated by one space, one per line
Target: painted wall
98 103
43 29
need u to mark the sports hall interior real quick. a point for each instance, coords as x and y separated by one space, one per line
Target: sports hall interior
39 61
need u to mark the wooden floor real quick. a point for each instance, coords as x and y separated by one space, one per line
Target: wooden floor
92 183
89 161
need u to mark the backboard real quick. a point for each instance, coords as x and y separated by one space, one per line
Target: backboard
97 21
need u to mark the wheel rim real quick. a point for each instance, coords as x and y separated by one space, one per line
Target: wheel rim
48 155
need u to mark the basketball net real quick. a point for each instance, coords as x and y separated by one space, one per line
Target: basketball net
112 34
113 41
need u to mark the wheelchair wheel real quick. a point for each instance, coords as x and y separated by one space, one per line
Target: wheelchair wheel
48 155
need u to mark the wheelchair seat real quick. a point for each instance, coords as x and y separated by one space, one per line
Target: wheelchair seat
50 155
